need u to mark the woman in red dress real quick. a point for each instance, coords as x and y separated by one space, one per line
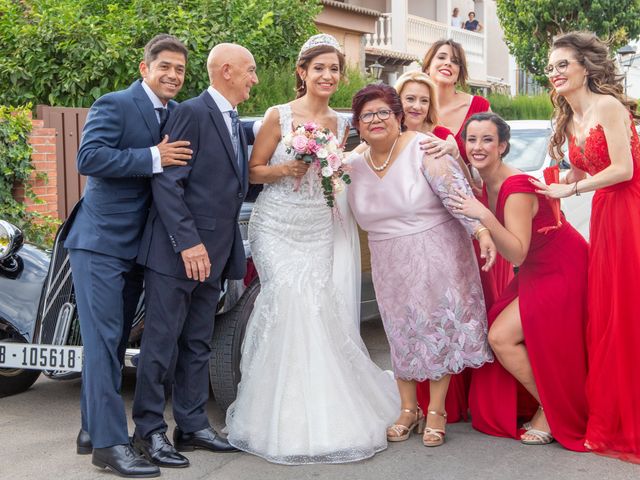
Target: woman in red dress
593 114
537 326
445 63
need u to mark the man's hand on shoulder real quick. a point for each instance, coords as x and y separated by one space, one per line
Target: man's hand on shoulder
196 262
174 153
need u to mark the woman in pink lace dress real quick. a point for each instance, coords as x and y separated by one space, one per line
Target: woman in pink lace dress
423 265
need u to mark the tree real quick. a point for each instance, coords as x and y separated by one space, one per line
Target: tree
70 52
530 25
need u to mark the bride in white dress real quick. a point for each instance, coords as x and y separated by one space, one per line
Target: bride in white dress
309 391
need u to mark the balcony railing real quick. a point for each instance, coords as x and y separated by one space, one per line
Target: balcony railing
420 33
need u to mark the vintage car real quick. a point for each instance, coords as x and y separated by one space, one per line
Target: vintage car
40 332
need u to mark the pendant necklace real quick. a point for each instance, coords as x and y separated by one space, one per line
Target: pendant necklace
386 162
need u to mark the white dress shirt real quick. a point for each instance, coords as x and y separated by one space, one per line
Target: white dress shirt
224 105
157 103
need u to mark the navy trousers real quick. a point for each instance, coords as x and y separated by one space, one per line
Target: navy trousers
107 293
176 345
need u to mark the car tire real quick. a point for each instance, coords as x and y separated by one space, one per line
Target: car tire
226 343
16 380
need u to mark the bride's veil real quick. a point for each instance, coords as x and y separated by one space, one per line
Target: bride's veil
346 259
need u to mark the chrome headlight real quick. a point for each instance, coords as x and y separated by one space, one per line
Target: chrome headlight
10 239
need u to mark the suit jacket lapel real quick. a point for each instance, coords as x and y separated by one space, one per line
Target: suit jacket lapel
146 109
223 131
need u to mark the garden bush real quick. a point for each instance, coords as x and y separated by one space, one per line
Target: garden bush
277 86
522 107
70 52
17 171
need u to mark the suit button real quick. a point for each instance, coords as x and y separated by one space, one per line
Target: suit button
240 195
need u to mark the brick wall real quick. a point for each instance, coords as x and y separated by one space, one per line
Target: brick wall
43 158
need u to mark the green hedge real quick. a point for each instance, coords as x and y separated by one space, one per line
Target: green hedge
522 107
70 52
277 86
16 168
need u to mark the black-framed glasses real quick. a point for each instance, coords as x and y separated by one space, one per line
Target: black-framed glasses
381 114
559 67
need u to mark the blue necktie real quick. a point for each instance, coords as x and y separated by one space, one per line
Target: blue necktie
164 116
235 136
235 131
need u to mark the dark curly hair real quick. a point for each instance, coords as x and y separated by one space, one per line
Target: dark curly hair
376 91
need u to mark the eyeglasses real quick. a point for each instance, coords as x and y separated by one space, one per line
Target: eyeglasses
381 114
559 67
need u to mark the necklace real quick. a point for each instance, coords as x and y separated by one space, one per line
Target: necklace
386 162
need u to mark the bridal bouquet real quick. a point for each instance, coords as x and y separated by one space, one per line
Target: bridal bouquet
319 147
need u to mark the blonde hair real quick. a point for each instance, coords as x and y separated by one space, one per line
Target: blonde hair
603 78
419 77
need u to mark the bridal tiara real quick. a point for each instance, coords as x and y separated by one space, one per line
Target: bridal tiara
319 40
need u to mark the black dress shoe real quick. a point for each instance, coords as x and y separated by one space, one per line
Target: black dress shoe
207 439
158 450
123 461
83 443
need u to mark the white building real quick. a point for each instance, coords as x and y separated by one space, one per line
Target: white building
406 29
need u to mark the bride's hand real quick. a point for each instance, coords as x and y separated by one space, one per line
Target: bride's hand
295 168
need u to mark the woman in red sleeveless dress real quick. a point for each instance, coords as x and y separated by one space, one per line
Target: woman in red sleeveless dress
592 112
445 63
537 326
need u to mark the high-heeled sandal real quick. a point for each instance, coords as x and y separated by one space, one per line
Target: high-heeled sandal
540 437
436 434
527 425
401 432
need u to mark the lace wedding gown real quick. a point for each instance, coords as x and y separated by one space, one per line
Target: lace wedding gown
309 391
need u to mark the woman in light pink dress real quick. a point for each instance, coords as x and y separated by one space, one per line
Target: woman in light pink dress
424 269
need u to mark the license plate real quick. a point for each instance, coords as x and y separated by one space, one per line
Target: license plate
41 357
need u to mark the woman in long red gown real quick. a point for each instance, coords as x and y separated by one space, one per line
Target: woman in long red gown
592 112
445 63
537 326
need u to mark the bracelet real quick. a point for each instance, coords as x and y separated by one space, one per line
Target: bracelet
575 189
479 231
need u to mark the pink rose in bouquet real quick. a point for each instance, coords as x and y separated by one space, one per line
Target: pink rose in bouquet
300 143
319 147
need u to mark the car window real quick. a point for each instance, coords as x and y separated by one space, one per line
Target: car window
528 149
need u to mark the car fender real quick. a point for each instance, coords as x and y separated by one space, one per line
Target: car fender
20 290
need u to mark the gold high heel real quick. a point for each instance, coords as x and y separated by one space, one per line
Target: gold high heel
436 434
400 433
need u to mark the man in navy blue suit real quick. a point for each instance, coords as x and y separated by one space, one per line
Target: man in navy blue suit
121 149
192 243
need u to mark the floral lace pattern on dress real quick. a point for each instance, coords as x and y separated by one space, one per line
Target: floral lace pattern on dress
445 177
429 292
594 157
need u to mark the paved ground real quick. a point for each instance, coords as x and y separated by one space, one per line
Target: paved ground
38 428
